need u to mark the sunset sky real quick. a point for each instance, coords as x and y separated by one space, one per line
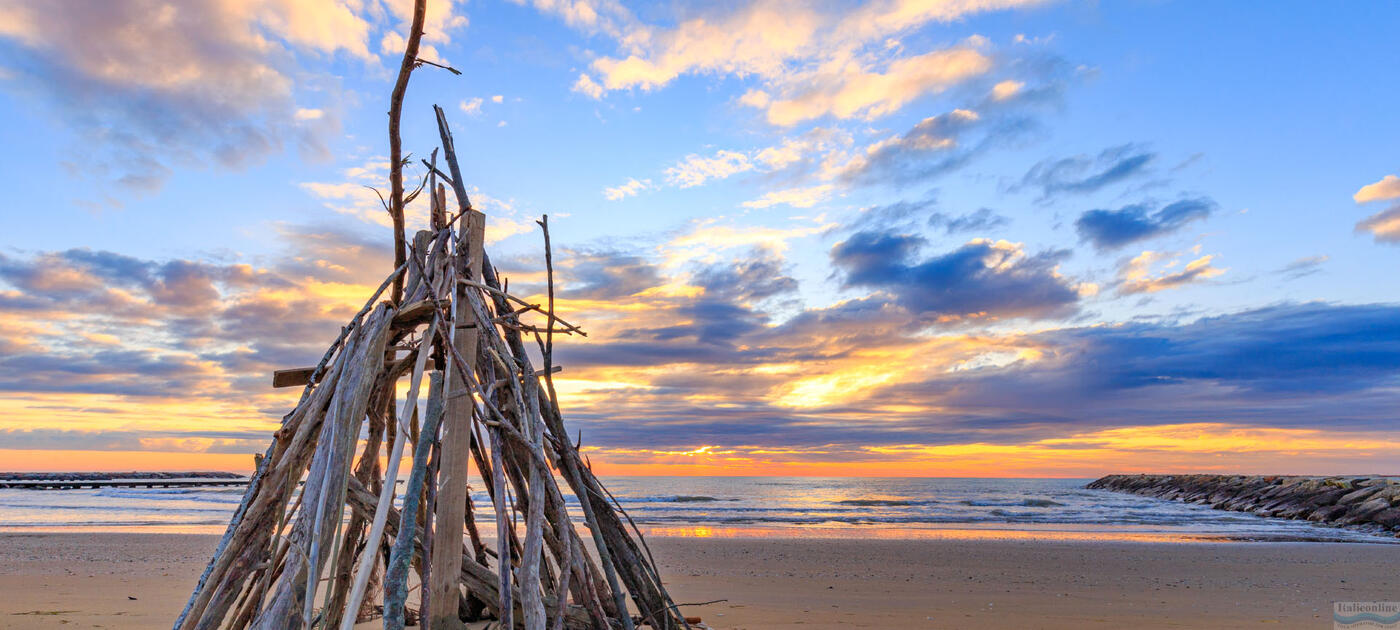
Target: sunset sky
961 237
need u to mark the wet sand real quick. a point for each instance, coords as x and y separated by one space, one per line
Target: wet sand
129 581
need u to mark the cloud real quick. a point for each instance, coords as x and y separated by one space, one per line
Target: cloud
758 276
854 91
1111 229
821 385
930 148
1084 174
685 355
592 16
605 275
1288 350
1305 266
792 155
1384 225
771 39
629 189
188 330
983 220
983 279
1006 89
471 106
725 310
126 440
705 239
1135 276
902 214
804 197
695 170
586 86
1387 188
151 84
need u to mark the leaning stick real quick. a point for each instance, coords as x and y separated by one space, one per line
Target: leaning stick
396 574
386 496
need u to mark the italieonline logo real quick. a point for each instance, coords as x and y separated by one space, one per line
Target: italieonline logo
1356 615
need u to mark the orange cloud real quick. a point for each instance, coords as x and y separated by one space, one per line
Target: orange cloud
1196 447
1387 188
852 90
1136 276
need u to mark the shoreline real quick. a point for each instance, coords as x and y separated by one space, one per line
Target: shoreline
1084 533
67 580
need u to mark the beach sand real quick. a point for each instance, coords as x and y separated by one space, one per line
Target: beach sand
128 581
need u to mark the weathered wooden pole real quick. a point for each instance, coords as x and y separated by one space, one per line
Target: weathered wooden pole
410 61
450 508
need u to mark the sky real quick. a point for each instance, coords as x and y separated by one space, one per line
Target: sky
889 238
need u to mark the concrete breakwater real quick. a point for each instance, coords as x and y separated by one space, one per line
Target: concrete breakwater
1368 502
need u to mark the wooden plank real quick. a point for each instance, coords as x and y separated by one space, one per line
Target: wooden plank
296 377
449 513
292 377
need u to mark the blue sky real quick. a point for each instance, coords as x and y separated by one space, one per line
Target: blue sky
793 195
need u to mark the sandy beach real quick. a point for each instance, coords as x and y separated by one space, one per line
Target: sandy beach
128 581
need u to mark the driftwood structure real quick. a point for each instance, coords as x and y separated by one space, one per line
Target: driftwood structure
330 534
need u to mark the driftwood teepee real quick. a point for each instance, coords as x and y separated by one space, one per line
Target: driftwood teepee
320 540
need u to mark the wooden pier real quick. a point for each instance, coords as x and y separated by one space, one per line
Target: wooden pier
72 484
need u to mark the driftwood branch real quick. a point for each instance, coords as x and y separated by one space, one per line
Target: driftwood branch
396 201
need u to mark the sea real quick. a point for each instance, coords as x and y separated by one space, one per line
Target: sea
901 508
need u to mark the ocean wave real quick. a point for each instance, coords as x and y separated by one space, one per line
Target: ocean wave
115 509
172 494
885 502
1010 503
675 498
123 524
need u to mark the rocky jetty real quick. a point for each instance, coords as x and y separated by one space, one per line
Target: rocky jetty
1367 502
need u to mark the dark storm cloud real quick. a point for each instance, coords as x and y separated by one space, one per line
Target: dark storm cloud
979 279
1112 229
1085 174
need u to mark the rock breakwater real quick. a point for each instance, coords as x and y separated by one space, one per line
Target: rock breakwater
1367 502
